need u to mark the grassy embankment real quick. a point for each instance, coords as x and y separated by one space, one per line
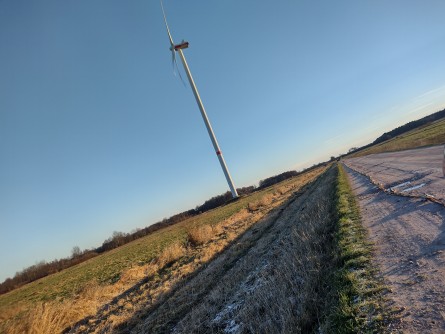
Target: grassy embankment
431 134
56 301
361 306
272 280
305 269
340 287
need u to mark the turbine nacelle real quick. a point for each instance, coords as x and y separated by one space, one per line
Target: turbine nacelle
180 46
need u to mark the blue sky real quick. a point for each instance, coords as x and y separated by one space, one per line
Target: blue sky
97 134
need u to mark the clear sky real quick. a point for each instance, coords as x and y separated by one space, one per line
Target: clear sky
97 134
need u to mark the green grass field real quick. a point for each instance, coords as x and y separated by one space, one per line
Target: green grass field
431 134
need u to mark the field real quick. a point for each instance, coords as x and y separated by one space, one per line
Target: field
432 134
57 301
271 255
278 277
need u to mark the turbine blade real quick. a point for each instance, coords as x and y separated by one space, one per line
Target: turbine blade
166 25
176 67
180 76
172 46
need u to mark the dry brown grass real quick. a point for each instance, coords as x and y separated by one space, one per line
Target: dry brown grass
264 202
155 280
289 296
219 291
277 283
171 253
136 273
53 317
207 243
200 235
283 190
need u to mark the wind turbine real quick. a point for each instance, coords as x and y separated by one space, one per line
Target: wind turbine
178 48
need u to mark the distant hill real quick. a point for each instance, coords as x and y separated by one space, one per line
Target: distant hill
401 130
409 126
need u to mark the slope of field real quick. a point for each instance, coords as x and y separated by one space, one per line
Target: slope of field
287 273
56 301
207 302
432 134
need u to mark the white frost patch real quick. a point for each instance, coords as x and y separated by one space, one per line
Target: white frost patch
400 185
232 327
226 316
415 187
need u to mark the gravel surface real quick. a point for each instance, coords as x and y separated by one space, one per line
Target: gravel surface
415 172
408 233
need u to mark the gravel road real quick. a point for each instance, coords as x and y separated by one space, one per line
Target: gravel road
408 231
415 172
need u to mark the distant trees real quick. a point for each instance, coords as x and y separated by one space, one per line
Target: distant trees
222 199
43 268
117 239
277 178
352 149
76 252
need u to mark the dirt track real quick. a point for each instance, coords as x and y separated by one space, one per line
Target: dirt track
409 236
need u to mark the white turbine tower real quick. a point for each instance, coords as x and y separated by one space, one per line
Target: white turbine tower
178 48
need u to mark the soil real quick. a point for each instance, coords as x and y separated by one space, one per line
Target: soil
409 237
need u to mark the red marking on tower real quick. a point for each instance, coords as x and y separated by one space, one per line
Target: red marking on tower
218 153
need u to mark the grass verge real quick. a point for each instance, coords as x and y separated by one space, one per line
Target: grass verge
359 291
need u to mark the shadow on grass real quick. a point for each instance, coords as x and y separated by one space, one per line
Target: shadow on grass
139 294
